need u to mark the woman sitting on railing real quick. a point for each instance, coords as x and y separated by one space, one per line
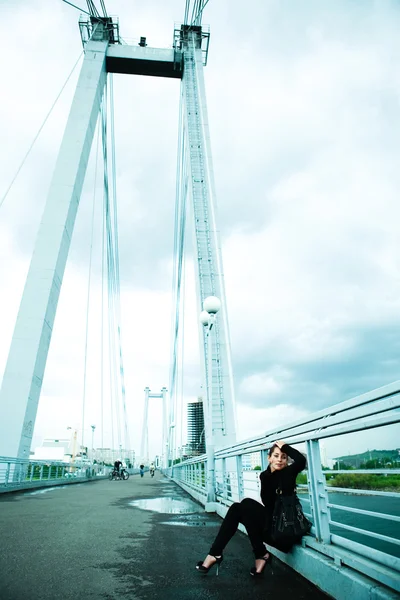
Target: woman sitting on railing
256 517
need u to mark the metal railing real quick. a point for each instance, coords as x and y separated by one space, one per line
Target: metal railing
370 542
22 474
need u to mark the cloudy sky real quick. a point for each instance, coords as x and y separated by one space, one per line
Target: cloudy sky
303 101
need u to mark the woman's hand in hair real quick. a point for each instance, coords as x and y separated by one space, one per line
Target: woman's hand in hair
279 443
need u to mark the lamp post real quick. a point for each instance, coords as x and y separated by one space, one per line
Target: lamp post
78 451
73 443
93 428
211 306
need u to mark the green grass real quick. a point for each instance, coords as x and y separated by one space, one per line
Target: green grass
365 482
359 481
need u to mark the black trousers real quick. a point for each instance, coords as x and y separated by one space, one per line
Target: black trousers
253 516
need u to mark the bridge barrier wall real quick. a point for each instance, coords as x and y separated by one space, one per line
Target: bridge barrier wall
345 560
18 474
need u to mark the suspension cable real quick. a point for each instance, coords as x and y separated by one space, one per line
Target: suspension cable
197 19
179 240
39 132
80 9
102 316
118 282
106 246
89 282
181 399
92 8
114 267
117 272
103 6
117 375
195 4
186 17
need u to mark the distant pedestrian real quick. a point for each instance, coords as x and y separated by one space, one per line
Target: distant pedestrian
141 470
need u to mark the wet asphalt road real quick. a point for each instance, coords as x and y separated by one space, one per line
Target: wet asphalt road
86 542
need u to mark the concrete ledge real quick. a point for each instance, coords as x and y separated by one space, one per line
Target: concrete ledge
339 581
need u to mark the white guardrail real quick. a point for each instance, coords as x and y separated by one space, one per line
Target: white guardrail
18 474
355 529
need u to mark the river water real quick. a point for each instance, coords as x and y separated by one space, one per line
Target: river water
379 504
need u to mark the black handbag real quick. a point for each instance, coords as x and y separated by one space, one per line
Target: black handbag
289 523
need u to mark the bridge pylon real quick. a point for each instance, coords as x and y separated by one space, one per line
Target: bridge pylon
23 377
215 357
144 449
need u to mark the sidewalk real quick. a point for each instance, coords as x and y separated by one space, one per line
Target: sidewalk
88 542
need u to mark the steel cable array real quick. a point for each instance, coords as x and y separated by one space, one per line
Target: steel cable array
111 259
39 131
178 277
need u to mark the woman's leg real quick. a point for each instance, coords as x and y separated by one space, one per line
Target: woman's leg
253 518
228 528
251 514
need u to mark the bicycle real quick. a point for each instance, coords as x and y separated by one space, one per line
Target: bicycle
116 475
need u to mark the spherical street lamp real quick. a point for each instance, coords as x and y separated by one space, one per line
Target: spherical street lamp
212 304
204 318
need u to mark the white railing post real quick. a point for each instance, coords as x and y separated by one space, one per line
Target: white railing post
318 493
198 475
224 480
22 472
7 475
239 475
264 460
210 506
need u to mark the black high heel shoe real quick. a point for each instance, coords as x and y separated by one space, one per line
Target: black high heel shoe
253 570
204 570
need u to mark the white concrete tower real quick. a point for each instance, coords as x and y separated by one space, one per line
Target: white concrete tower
208 255
23 376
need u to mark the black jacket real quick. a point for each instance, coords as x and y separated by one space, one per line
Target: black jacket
284 479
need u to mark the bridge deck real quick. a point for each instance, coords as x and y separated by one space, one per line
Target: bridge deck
86 541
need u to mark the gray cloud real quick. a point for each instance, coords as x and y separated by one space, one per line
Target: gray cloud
304 121
373 361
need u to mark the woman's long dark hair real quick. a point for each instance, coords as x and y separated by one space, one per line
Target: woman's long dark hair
271 450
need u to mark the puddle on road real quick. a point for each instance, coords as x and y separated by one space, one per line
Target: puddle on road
167 505
191 521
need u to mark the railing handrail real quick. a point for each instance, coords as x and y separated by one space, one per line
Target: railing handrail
39 461
318 423
261 442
